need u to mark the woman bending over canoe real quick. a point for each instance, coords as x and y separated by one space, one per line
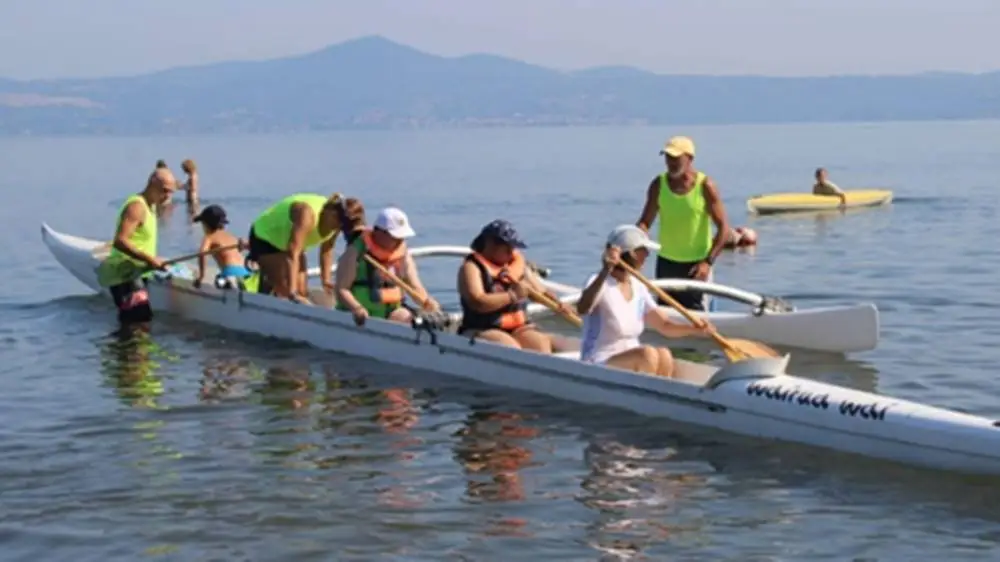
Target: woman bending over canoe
280 236
362 289
494 283
616 309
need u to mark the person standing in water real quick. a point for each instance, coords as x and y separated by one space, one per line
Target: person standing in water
191 185
688 203
823 186
229 259
134 248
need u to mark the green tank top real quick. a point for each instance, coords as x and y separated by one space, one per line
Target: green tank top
144 239
685 225
274 225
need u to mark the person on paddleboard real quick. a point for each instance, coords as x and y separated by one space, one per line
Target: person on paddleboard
134 249
616 309
229 259
280 236
494 283
824 186
362 289
687 203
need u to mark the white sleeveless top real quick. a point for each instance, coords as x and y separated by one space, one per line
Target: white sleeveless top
614 324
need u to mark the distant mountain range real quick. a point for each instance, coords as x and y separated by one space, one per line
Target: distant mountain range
374 83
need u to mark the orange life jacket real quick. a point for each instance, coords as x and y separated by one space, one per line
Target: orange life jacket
497 279
370 288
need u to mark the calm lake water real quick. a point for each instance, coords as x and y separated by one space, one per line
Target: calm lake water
202 445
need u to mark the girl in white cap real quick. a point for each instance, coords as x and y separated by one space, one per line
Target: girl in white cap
616 309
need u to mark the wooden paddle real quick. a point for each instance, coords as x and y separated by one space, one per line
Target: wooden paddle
410 291
735 349
132 270
553 305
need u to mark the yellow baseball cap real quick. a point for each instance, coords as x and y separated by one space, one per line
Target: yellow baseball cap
678 146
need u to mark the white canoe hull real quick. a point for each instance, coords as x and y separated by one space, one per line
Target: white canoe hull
754 398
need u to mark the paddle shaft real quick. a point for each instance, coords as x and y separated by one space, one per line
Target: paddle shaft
189 257
138 272
410 291
554 305
694 320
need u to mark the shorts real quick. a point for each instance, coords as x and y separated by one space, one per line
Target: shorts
600 356
132 301
669 269
237 271
259 247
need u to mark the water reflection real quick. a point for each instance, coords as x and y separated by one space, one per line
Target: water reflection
640 496
128 365
835 368
289 388
489 449
227 379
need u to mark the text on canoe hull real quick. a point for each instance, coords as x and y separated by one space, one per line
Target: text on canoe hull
820 401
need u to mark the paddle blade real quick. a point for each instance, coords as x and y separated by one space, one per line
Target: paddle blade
749 349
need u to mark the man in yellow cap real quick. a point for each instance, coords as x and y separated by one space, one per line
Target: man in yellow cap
687 202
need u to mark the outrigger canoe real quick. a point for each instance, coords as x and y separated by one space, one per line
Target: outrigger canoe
801 202
756 398
834 329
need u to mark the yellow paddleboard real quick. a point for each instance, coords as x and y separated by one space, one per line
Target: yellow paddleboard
799 202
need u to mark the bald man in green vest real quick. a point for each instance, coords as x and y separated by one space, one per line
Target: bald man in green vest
688 203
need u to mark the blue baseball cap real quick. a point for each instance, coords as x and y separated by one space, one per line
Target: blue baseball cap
504 232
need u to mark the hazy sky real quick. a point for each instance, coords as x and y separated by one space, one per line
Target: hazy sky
54 38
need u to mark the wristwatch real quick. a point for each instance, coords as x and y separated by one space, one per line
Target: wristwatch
709 260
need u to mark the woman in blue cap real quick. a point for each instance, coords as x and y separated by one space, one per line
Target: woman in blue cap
494 282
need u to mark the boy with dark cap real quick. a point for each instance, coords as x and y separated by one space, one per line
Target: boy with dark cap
231 264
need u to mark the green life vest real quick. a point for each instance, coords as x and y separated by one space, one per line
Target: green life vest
119 267
685 224
379 296
274 225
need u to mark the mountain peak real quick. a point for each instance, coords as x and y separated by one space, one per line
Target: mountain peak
369 45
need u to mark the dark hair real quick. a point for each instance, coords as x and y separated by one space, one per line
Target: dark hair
819 170
478 243
160 164
350 215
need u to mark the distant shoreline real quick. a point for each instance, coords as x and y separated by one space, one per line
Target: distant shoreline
372 84
458 128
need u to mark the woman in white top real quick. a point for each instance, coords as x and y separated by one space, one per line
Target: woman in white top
616 309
